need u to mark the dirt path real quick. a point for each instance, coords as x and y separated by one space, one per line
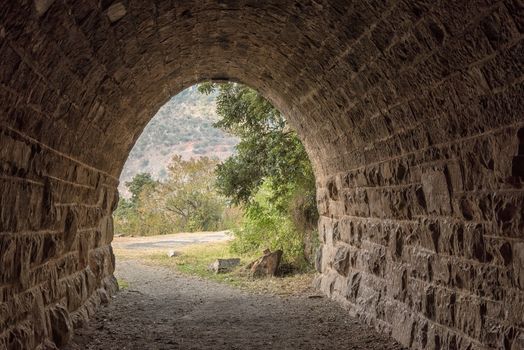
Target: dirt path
164 310
171 241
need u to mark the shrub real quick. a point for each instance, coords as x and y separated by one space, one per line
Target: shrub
265 226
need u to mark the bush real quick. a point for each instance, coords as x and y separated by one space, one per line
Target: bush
270 175
184 201
265 226
129 221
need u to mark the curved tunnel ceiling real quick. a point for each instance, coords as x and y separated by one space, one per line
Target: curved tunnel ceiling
106 68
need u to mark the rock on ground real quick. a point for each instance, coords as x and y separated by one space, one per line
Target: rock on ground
267 265
224 265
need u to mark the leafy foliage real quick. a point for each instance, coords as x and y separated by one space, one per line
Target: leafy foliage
131 216
270 175
267 147
189 194
186 201
266 226
136 186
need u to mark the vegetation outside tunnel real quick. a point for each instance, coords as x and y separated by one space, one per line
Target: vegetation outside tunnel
265 192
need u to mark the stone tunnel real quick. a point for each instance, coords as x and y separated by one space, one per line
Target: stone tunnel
412 112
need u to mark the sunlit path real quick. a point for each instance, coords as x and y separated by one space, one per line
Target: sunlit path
169 242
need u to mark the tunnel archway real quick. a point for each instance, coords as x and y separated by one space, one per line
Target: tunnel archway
409 111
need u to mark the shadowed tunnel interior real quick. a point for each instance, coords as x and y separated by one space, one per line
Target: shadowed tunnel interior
410 112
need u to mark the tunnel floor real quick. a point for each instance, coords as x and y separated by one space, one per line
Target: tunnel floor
164 310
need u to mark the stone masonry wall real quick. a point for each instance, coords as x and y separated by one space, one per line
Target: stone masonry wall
56 261
423 228
429 247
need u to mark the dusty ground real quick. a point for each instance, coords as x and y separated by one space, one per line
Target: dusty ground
164 310
172 241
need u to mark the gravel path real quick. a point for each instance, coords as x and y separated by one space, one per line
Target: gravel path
164 310
175 240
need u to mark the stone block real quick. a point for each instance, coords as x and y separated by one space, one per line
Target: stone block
436 192
403 331
353 286
518 264
327 282
9 260
474 244
428 233
326 258
396 242
397 283
469 313
445 307
441 270
356 202
60 325
451 238
499 27
341 260
224 265
509 214
462 275
420 263
328 230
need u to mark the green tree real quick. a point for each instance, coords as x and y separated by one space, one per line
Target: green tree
185 201
266 226
134 216
189 195
138 183
267 147
270 159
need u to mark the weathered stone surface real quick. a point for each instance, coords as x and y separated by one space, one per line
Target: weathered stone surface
41 6
116 11
341 260
61 327
267 265
411 112
224 265
436 192
318 259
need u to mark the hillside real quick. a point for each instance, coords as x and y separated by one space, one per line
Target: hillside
184 125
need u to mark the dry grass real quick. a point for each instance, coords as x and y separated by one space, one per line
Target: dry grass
195 260
122 284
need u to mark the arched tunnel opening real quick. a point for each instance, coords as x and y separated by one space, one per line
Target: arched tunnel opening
409 111
170 252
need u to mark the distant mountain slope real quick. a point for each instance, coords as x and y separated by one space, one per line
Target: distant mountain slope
184 126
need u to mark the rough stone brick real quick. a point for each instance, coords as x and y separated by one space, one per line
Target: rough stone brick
436 192
341 260
516 10
499 27
518 264
60 325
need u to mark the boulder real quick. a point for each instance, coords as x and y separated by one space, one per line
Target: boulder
224 265
267 265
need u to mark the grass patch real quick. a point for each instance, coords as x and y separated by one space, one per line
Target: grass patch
195 259
122 284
